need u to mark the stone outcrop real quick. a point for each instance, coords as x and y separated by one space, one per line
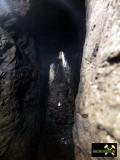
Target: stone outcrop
97 115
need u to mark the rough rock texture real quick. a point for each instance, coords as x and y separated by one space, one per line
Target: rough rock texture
19 97
97 116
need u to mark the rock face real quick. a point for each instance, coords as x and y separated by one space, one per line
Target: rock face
97 115
20 111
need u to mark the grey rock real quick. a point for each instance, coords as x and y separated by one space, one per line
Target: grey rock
99 91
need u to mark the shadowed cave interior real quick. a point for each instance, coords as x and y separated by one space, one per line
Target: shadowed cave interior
50 27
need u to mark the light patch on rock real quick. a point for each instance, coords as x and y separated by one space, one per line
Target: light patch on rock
62 58
59 104
4 8
52 73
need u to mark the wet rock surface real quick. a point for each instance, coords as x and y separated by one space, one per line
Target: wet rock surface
33 124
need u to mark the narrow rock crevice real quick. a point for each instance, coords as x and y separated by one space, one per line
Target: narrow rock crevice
41 45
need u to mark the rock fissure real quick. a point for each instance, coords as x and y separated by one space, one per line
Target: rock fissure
41 45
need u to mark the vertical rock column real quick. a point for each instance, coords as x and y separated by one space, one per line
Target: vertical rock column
97 115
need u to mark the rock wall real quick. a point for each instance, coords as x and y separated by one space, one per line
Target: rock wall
20 90
97 115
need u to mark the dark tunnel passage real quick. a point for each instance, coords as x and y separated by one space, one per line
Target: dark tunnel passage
48 28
